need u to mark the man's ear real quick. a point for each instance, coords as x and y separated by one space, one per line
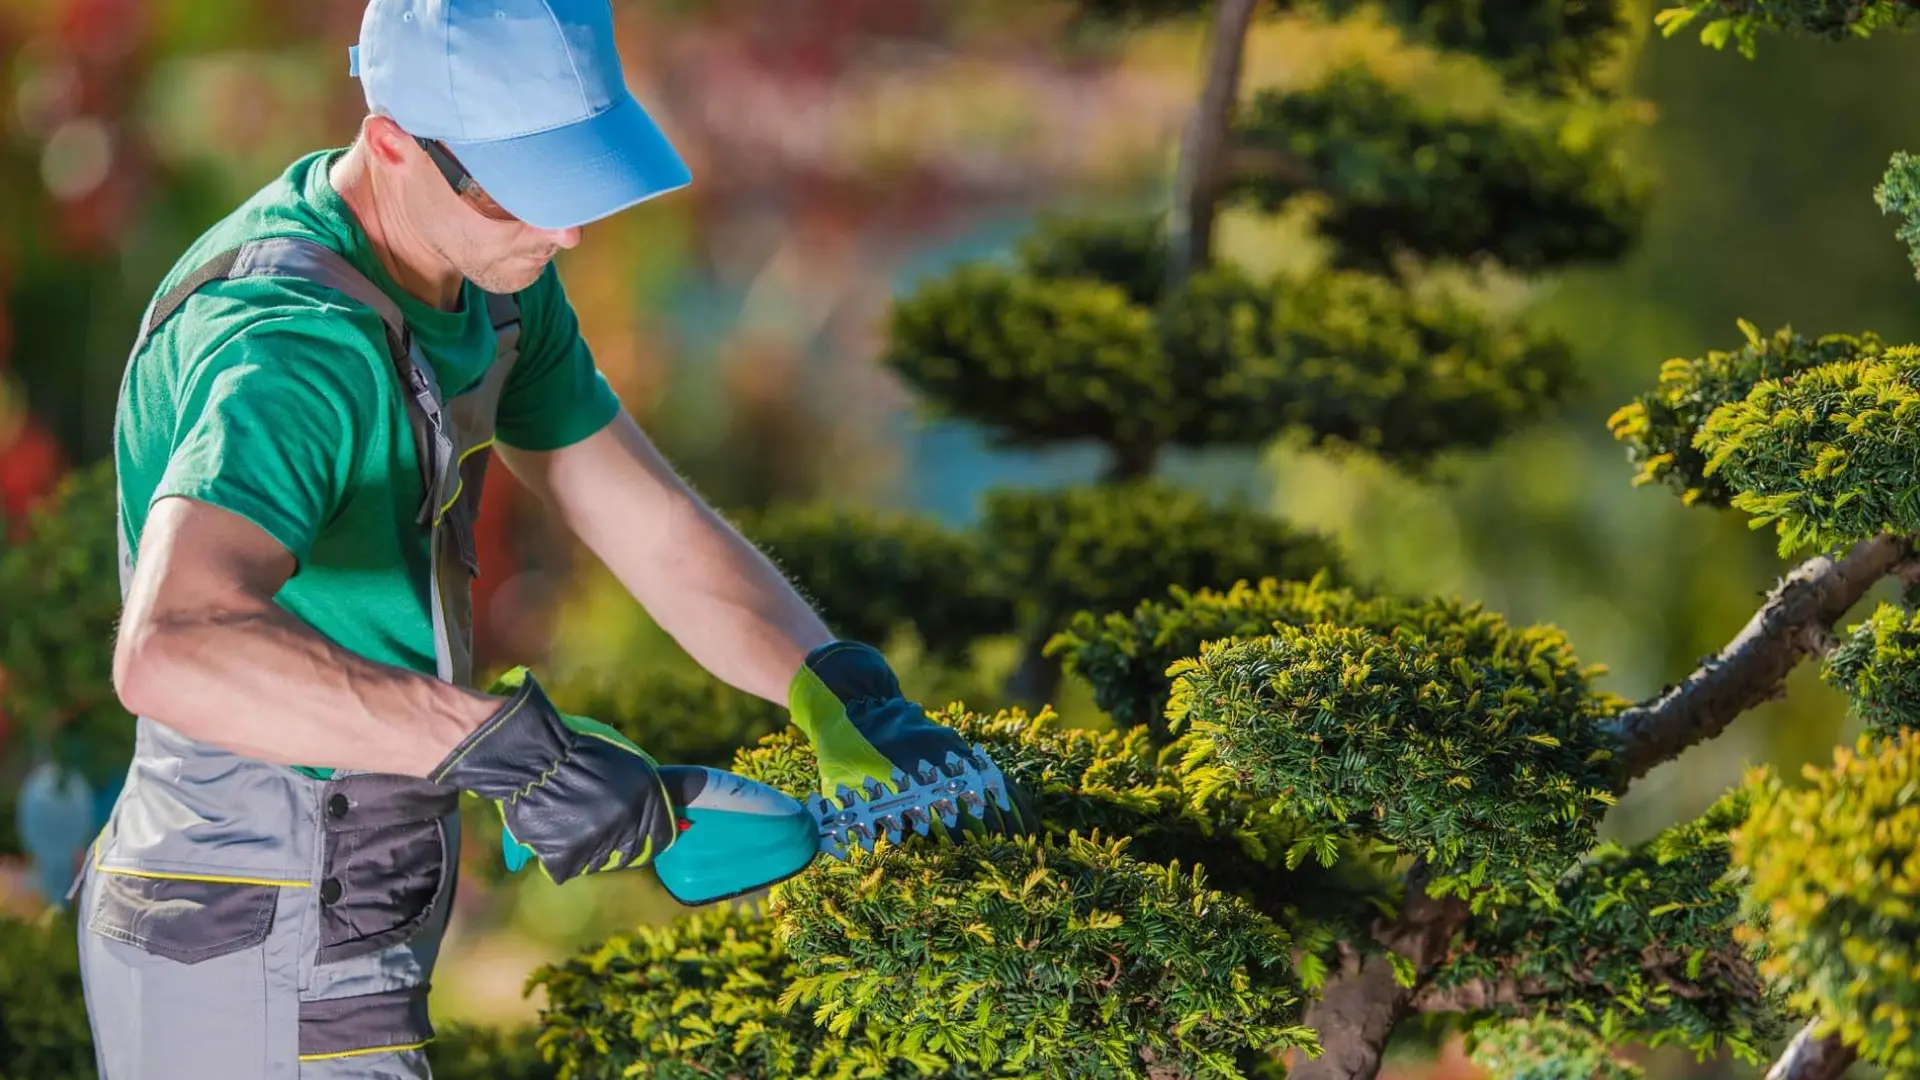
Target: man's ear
387 142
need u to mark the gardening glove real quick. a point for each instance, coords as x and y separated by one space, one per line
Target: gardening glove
573 791
848 702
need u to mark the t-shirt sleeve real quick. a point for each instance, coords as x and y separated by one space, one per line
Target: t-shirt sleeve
555 396
272 426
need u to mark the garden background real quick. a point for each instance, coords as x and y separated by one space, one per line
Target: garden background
845 149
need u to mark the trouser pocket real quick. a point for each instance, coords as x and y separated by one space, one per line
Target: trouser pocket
182 919
385 861
179 981
355 1031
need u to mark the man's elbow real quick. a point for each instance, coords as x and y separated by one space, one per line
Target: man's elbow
139 668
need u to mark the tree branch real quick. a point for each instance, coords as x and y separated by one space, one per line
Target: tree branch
1809 1057
1796 620
1197 184
1248 160
1362 1003
1472 996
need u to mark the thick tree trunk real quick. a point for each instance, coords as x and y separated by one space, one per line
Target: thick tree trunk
1203 154
1361 1007
1810 1058
1363 1002
1133 462
1796 620
1036 680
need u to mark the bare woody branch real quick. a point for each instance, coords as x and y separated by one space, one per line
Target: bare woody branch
1796 620
1204 153
1810 1057
1362 1002
1471 997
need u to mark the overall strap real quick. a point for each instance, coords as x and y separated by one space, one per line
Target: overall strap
290 256
504 310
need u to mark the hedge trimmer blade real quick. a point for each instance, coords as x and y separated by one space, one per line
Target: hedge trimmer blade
959 783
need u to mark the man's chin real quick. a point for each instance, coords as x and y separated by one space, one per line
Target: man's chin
512 274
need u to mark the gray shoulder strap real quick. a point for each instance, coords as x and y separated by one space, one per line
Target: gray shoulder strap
282 256
291 256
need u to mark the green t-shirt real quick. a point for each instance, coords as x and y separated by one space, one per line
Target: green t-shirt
276 398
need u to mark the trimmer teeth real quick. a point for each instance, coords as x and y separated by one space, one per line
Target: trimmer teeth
957 784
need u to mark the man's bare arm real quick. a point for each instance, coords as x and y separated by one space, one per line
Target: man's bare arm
203 648
716 594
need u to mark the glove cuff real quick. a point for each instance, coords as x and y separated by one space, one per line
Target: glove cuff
522 739
854 671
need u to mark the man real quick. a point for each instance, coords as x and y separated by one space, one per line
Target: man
302 434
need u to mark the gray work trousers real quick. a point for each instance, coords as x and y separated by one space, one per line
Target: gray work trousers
190 979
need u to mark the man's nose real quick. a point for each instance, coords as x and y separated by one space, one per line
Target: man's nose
563 238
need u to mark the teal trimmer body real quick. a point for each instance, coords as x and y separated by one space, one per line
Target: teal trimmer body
738 835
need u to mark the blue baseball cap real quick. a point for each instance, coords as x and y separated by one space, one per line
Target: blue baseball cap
528 94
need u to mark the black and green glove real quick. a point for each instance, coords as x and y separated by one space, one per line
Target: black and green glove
848 702
575 792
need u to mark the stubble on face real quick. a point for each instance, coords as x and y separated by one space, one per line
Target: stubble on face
480 258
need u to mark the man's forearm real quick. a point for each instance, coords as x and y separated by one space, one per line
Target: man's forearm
723 601
717 595
260 682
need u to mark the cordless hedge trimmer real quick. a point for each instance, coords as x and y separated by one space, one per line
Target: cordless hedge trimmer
738 835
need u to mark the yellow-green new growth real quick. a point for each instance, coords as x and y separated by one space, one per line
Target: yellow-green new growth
1833 893
1826 455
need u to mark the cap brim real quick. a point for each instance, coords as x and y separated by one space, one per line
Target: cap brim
579 173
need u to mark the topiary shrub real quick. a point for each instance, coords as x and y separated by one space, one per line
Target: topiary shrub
1833 896
1483 753
1659 427
43 1019
60 582
1878 667
869 573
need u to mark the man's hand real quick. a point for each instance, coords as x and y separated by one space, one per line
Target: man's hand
848 702
577 793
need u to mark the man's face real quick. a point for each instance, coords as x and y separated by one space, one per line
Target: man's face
489 247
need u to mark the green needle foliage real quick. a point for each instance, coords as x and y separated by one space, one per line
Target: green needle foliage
698 999
1107 944
1548 46
1542 1048
1825 456
58 664
1407 177
1077 341
1833 891
1102 546
1878 667
1634 944
1660 428
1126 657
1899 193
1357 362
1481 760
1068 959
871 572
1038 360
1122 783
1125 250
1742 21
